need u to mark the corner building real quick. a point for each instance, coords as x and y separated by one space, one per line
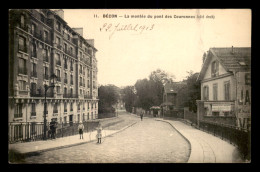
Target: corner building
41 44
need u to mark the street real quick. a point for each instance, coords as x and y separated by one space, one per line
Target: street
147 141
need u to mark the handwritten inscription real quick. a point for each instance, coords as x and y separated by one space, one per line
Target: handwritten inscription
113 28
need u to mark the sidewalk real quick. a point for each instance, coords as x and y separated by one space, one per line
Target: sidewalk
206 148
41 146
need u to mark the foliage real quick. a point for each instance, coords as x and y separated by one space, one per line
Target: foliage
108 96
129 96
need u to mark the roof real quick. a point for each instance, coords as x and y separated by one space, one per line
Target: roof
231 58
173 87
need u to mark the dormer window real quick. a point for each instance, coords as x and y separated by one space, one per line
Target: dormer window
214 68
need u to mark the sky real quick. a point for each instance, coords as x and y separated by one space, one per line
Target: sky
133 43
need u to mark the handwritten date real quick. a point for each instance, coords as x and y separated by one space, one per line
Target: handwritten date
109 27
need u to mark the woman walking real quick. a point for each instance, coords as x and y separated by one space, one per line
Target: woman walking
99 133
81 129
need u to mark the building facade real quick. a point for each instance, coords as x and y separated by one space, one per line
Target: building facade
226 87
42 44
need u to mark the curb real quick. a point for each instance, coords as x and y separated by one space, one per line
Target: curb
180 134
75 144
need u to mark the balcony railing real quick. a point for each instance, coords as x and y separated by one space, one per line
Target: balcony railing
34 94
55 110
34 74
22 71
59 47
46 59
70 95
45 76
58 79
65 110
18 115
87 96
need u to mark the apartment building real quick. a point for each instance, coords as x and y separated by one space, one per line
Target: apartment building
41 44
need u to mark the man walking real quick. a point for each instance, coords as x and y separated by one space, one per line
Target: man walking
141 115
81 129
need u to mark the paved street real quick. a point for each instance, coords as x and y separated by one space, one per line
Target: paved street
148 141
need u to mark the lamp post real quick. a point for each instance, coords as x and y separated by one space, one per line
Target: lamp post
46 87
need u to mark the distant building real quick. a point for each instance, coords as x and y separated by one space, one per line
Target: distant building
226 86
170 101
41 43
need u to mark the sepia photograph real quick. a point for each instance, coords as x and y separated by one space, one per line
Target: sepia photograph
92 86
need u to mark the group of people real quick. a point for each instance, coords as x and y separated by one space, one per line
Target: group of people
54 124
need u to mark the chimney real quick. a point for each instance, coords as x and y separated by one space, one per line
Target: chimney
91 42
79 30
60 13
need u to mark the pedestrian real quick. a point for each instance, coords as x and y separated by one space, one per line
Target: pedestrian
141 115
53 126
81 129
99 133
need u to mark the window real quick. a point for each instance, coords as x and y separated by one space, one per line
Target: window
33 89
22 66
71 107
88 105
22 85
71 79
215 91
80 92
88 115
34 73
45 55
65 47
33 28
214 68
22 44
45 72
247 79
65 119
65 106
18 110
78 117
78 106
227 90
22 21
65 91
71 91
57 40
55 108
42 18
45 35
33 112
34 54
206 93
88 84
58 74
58 89
83 117
58 26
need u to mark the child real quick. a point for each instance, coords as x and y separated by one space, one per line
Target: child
99 133
81 128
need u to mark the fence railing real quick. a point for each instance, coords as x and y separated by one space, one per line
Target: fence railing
237 136
30 131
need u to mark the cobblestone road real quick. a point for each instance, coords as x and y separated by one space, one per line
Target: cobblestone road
147 141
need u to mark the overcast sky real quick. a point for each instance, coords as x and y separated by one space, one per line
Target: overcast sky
175 45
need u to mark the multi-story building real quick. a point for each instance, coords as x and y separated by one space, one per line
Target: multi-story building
226 86
41 43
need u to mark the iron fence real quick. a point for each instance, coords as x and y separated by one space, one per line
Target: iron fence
32 131
236 136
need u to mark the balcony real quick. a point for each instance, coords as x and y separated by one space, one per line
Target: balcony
18 115
34 94
46 59
34 74
22 71
58 79
58 63
45 76
87 97
70 96
33 113
59 47
65 80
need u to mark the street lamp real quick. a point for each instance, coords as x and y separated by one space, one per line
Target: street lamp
53 79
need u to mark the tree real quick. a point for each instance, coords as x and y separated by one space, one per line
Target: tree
129 97
108 96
